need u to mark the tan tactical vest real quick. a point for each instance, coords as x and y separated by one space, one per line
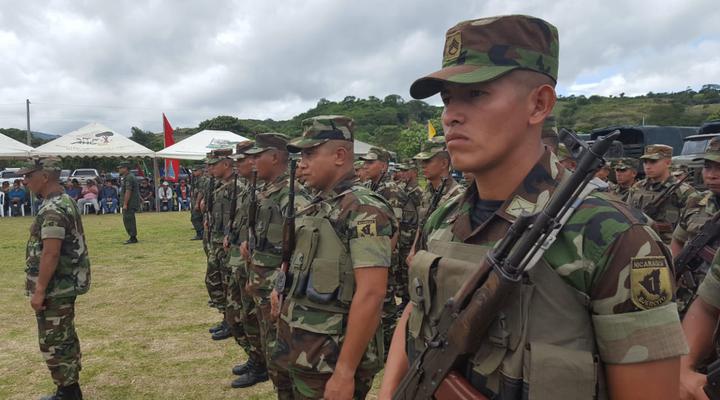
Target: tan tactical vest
541 345
269 229
221 210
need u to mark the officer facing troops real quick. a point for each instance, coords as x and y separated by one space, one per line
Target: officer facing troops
435 163
130 200
271 157
625 173
219 214
594 317
659 183
329 337
58 270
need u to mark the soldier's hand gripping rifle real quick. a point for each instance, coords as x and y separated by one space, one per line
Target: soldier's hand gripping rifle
470 312
698 250
252 211
288 244
653 207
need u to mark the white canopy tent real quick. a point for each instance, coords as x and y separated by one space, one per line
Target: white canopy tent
93 140
198 145
12 149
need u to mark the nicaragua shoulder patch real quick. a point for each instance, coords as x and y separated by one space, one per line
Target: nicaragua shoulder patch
650 283
366 228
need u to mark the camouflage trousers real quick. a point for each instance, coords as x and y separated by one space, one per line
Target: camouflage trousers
196 218
240 313
128 217
400 277
310 359
216 276
261 280
59 343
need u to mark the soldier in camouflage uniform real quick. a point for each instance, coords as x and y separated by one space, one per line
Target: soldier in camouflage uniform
218 224
625 173
240 313
409 177
435 163
58 270
376 168
270 159
197 187
595 316
699 325
130 200
329 337
656 163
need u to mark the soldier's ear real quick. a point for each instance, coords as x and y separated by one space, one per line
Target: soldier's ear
543 99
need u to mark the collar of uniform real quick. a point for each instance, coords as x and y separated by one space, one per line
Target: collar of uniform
341 187
276 184
542 179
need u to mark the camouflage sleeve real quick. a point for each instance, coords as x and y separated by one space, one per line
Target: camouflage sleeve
371 225
53 224
691 208
709 289
622 266
685 193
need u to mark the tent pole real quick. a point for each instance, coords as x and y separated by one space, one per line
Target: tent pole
156 179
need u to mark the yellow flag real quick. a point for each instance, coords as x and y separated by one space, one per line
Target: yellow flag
431 131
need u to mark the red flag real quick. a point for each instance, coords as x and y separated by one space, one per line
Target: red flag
172 166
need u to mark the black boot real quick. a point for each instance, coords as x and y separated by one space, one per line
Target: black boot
251 378
71 392
223 333
217 327
241 369
132 240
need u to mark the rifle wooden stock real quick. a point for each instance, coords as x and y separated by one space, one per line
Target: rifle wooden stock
707 254
455 387
470 312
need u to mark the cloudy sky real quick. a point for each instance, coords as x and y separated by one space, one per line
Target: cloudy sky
123 63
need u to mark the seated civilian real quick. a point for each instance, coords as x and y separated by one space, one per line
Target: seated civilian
89 196
17 198
147 196
109 197
73 189
6 200
165 194
183 195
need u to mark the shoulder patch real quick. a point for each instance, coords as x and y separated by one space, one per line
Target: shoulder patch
366 228
650 283
518 205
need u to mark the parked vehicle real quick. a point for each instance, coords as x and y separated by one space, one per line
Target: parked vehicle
64 175
9 175
693 147
635 138
84 174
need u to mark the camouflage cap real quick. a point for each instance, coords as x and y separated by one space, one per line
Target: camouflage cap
268 141
39 164
321 129
430 153
712 151
657 152
376 154
403 167
625 163
124 164
241 148
485 49
218 155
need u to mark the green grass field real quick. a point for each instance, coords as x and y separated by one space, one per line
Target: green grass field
142 326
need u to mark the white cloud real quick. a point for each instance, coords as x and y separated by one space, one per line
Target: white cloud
127 62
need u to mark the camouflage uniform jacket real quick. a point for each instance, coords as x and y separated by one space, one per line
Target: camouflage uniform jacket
238 230
198 187
700 207
620 191
221 212
404 210
709 289
130 183
602 291
59 218
272 206
451 190
343 229
644 192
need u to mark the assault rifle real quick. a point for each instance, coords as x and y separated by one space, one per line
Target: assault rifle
209 202
696 251
288 244
470 312
233 207
653 207
252 211
375 185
